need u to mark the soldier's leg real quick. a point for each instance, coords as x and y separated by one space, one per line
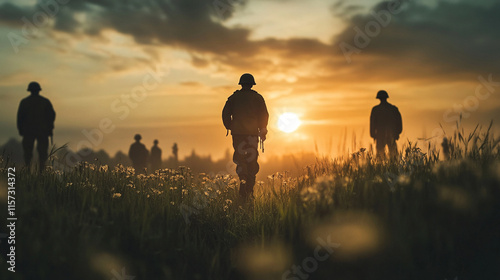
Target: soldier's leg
42 146
393 149
28 143
239 145
380 146
253 165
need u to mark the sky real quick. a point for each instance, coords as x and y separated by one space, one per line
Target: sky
164 68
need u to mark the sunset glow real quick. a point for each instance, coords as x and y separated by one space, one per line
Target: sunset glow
323 61
288 122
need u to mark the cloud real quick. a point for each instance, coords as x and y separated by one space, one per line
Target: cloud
450 39
11 14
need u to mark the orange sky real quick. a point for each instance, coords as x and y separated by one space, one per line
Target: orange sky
92 57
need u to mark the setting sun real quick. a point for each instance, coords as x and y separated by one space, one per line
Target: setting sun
288 122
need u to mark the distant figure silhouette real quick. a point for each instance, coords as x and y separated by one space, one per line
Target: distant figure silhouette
155 157
245 114
385 125
175 151
35 121
139 154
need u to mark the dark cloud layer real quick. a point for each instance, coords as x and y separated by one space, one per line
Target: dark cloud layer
446 40
458 37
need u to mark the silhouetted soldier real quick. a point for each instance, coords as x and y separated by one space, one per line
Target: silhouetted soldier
245 114
139 155
35 121
385 125
175 151
155 157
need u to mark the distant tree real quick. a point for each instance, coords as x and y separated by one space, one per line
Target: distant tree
121 158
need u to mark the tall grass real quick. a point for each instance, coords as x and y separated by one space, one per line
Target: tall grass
414 217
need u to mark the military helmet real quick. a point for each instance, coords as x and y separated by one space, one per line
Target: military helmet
382 94
34 86
137 137
247 79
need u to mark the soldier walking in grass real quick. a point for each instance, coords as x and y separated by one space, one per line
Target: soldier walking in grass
35 121
155 157
245 114
139 154
385 126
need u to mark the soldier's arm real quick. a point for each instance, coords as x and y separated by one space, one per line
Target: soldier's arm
264 114
51 117
373 132
399 122
227 113
20 118
263 119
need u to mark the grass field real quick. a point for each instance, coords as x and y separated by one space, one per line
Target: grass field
417 217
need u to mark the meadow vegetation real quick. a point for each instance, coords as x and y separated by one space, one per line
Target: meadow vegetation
420 216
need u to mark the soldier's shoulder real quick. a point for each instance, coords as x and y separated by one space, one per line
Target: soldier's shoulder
258 94
394 107
27 98
235 93
45 99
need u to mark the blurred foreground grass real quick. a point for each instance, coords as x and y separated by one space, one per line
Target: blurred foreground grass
354 217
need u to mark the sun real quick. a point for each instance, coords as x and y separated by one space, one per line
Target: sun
288 122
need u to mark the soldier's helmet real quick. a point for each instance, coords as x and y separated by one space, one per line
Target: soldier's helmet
247 79
382 94
155 142
137 137
34 86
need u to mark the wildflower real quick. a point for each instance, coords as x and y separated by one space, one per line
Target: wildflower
103 168
377 179
404 179
117 195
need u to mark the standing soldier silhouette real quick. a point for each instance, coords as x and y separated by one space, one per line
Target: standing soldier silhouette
138 153
155 157
35 121
175 152
245 114
385 125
